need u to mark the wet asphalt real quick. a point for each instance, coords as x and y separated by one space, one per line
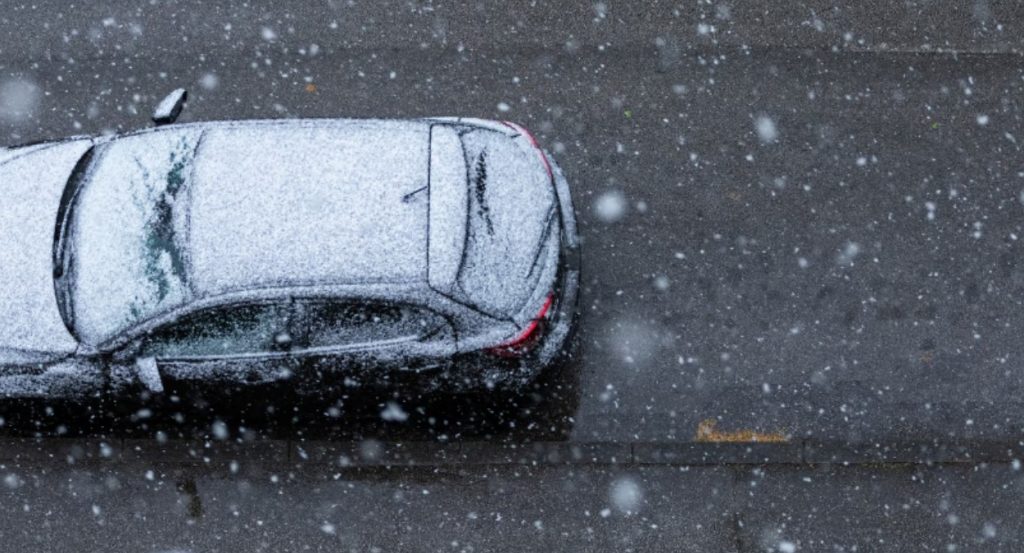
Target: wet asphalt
798 221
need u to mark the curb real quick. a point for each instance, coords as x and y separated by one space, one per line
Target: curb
373 453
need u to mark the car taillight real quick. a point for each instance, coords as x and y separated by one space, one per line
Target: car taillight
527 339
533 141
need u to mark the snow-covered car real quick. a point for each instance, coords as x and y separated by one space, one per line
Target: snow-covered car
313 252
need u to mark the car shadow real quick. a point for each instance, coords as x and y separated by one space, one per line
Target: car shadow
541 411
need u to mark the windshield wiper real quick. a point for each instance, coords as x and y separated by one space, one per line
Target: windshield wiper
62 241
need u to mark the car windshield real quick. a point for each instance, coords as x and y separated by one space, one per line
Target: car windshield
123 253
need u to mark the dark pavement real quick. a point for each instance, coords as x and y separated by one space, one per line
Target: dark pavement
798 221
269 505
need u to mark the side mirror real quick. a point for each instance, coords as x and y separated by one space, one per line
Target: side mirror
148 374
169 108
127 353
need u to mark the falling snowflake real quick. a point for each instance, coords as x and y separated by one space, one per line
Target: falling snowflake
393 412
766 129
611 206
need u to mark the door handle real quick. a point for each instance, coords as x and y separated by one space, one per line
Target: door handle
148 373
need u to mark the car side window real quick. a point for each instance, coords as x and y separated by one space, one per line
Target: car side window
335 323
228 330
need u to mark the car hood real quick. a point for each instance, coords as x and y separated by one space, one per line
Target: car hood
31 183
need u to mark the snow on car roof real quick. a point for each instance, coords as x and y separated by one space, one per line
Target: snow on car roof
346 200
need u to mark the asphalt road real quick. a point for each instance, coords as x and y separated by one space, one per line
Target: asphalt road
798 220
480 508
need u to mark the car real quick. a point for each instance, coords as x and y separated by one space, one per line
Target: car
440 253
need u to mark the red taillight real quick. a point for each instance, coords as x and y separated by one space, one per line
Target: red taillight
525 341
536 146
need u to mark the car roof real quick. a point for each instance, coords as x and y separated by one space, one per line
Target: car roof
308 202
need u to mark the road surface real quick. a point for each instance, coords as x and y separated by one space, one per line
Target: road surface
800 223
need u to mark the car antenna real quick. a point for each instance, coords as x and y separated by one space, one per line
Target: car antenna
169 108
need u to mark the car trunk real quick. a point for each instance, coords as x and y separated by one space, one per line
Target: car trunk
511 223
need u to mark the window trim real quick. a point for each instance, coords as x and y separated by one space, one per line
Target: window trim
418 296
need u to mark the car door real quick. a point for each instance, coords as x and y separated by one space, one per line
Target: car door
351 342
229 345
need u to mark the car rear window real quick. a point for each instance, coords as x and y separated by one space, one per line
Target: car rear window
511 217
